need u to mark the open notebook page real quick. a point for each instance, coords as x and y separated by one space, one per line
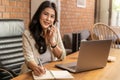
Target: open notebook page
54 74
61 74
47 75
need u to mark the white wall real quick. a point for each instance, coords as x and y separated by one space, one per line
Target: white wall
104 11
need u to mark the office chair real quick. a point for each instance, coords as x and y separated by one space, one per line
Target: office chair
11 53
102 31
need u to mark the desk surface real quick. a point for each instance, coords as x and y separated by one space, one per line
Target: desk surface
110 72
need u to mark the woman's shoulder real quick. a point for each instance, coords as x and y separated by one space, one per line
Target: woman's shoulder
27 33
57 29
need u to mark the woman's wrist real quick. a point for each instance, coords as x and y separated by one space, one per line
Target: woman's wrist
32 65
53 43
53 46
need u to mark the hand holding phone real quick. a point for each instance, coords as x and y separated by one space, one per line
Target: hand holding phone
51 31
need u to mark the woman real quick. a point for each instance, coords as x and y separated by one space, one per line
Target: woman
42 40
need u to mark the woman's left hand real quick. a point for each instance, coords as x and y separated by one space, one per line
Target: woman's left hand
50 35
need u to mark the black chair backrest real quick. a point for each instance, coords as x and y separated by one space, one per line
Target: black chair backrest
11 52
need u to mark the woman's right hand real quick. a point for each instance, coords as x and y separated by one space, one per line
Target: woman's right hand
38 70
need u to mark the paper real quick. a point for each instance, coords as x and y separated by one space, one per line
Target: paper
111 58
61 75
47 75
53 74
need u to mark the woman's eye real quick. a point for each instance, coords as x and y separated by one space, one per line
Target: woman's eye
45 14
53 16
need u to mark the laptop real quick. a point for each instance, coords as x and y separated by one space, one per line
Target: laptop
92 55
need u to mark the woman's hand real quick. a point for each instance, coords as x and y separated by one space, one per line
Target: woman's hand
38 70
50 35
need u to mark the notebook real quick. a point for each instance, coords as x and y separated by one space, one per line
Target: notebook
92 55
53 75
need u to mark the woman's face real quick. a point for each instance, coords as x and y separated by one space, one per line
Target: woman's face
47 17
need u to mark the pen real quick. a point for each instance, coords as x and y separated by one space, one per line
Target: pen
40 63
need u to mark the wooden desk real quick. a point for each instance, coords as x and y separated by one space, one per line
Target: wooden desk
110 72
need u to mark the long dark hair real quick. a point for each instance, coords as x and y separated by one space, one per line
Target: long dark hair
36 28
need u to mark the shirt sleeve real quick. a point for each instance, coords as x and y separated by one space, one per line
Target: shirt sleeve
27 50
60 44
